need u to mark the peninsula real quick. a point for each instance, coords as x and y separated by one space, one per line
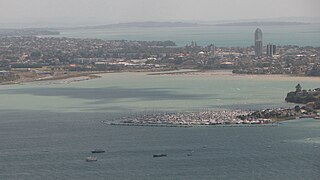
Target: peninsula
309 97
228 117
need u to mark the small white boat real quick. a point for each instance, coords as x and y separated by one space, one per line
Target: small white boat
91 158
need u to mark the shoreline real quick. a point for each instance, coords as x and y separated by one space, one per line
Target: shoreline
182 72
217 118
193 126
226 72
28 77
73 77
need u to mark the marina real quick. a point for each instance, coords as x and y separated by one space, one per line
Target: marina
190 119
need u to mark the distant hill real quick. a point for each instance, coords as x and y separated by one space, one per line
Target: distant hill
267 23
144 25
27 32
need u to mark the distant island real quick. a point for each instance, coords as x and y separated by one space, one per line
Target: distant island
148 24
263 23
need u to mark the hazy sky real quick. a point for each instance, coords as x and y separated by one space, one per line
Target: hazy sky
154 10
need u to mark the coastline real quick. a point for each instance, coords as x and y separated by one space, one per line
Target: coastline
73 77
193 120
194 126
182 72
27 77
188 72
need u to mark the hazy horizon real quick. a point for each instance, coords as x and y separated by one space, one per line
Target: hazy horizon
71 22
97 12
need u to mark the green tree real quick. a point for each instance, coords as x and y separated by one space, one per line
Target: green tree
298 88
297 108
317 104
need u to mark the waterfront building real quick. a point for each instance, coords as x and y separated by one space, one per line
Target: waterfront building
258 42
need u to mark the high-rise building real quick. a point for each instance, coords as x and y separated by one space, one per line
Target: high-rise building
274 49
271 49
258 42
212 49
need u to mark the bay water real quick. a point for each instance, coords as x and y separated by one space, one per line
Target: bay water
47 129
221 36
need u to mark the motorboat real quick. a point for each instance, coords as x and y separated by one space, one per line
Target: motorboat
91 159
159 155
98 151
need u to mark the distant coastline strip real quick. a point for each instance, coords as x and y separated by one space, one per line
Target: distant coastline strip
191 126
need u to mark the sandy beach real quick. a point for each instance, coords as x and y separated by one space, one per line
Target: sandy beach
81 76
217 73
26 77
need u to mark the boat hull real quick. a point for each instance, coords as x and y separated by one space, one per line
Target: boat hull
159 155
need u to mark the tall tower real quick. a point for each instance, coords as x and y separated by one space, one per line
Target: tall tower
258 42
271 49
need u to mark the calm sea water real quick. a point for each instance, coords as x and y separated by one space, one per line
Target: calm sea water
47 130
231 36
